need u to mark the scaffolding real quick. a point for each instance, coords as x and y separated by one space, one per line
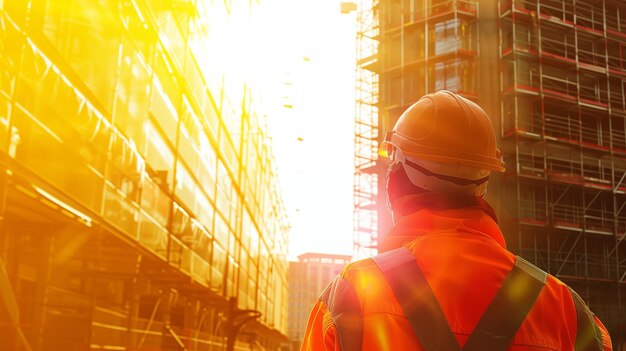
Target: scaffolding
426 46
366 179
403 51
140 207
552 75
563 84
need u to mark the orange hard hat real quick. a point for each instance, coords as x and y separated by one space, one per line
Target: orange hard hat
447 128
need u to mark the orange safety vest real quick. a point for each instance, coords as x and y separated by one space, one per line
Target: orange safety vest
462 256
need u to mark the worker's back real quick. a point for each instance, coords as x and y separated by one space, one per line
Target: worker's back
444 280
462 256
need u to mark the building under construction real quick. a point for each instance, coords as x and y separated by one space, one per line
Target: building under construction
140 208
552 75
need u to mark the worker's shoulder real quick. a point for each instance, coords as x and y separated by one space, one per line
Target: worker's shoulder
362 265
553 285
557 296
551 279
357 270
560 289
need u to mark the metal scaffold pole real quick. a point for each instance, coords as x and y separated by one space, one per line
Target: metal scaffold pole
365 223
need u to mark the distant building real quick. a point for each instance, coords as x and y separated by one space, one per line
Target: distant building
307 279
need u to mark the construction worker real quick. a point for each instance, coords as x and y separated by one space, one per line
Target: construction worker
443 279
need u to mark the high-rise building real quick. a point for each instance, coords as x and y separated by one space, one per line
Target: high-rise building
307 279
140 207
552 75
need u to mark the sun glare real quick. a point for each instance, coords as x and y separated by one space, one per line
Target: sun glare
304 66
301 74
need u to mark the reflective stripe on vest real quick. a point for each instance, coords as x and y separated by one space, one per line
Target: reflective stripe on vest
417 300
588 335
430 324
494 330
343 305
508 309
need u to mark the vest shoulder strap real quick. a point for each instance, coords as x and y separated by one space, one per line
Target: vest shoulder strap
417 300
508 309
497 326
588 335
343 305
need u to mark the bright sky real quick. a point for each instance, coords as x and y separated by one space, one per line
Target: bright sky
308 53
